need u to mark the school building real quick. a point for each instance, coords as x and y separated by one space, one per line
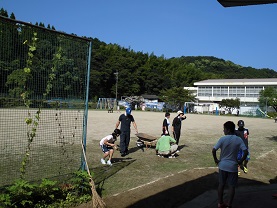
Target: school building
212 91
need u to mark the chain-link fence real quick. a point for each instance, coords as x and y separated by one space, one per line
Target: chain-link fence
43 101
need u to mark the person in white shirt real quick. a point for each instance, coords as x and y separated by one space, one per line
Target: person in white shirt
107 145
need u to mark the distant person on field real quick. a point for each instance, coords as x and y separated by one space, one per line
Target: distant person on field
166 124
118 109
125 121
176 125
166 146
107 145
229 146
243 133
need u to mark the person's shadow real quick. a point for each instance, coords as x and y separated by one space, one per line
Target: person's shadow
182 146
134 149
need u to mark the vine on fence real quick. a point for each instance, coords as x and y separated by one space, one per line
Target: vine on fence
32 123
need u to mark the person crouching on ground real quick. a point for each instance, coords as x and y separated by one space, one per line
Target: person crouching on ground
166 146
107 145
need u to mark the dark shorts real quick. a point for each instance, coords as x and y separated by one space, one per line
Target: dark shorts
105 148
230 178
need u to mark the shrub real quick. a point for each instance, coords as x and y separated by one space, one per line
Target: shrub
47 193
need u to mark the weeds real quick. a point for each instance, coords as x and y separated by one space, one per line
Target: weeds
47 193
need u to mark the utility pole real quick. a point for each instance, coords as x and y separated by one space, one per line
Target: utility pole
265 107
116 76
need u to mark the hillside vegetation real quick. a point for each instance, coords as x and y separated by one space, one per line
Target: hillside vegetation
138 73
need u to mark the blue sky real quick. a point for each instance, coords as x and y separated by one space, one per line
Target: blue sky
244 35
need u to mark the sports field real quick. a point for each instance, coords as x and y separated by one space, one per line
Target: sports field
142 176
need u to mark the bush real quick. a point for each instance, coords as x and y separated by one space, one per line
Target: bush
272 114
47 193
10 102
92 105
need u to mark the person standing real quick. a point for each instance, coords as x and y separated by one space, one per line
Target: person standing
176 125
243 133
125 127
166 124
229 146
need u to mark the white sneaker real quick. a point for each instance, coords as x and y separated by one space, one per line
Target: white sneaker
103 161
109 163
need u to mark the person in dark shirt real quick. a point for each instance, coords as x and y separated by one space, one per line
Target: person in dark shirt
125 121
176 125
243 133
166 124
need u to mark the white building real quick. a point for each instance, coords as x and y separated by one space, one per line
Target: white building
211 91
247 90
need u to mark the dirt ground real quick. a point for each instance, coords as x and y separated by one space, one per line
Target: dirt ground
142 179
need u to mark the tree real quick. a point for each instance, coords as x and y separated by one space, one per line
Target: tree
4 12
230 104
12 16
176 97
268 97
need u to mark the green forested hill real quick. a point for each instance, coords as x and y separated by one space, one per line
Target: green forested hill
143 73
227 68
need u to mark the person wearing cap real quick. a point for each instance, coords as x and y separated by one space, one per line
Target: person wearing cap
125 121
243 133
176 125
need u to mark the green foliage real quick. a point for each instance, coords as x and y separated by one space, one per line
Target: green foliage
177 97
272 114
47 193
138 73
10 102
81 182
32 123
268 97
21 193
230 104
18 79
3 12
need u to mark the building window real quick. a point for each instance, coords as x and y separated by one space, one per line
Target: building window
252 91
205 91
232 91
220 91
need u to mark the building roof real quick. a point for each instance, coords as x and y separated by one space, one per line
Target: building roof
150 97
232 3
262 81
190 88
